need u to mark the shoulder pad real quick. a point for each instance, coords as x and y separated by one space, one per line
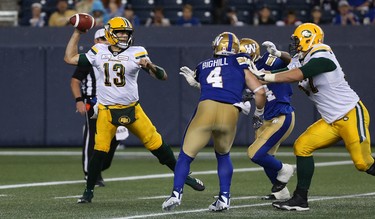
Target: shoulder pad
320 47
243 60
139 52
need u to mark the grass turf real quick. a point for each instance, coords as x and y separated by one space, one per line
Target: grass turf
144 197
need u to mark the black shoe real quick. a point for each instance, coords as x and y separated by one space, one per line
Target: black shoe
100 182
296 203
278 186
86 197
194 183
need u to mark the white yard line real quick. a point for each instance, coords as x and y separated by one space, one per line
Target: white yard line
242 206
156 176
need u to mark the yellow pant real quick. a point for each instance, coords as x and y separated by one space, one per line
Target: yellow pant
353 129
142 128
215 119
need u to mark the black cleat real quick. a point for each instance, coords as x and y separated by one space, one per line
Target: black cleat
86 197
100 182
194 183
278 186
296 203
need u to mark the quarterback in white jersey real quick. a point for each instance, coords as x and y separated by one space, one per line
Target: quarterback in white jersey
117 85
117 92
344 117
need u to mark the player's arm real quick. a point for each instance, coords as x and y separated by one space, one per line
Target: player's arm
314 67
154 70
255 86
75 86
71 52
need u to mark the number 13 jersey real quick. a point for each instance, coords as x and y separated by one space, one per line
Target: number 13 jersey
118 73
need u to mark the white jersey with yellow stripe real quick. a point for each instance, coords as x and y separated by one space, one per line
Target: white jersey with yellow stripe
330 92
118 73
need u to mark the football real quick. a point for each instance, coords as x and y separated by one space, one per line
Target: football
82 21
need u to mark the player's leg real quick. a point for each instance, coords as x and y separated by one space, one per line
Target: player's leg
105 131
354 129
263 149
152 140
318 135
224 131
196 137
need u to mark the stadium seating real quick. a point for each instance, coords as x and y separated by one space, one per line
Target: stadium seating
200 4
171 4
204 16
142 4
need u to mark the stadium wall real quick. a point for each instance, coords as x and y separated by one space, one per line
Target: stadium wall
39 110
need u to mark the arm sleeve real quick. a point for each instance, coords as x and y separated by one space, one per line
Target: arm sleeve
83 61
317 66
81 72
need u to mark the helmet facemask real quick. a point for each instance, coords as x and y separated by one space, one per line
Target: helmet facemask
294 46
122 44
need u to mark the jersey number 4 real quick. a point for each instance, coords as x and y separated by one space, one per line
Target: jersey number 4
214 78
119 69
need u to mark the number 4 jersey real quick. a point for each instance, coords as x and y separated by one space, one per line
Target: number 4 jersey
222 79
118 73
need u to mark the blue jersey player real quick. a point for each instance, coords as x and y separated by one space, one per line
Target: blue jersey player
222 80
278 119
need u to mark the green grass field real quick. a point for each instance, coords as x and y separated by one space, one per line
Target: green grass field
45 183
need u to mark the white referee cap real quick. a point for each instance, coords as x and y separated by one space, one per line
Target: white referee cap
99 33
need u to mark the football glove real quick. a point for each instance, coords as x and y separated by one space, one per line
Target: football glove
189 76
258 118
245 107
259 74
271 48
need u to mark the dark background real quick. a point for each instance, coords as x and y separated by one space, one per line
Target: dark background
38 109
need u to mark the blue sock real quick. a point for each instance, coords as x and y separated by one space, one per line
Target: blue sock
181 171
225 172
270 164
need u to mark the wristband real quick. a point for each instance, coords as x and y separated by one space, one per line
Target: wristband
269 77
78 99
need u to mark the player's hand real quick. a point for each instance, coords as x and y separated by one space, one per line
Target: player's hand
257 121
258 118
189 76
81 108
271 48
145 63
259 74
245 107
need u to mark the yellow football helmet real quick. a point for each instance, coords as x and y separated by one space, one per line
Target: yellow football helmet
225 44
250 47
118 24
305 36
